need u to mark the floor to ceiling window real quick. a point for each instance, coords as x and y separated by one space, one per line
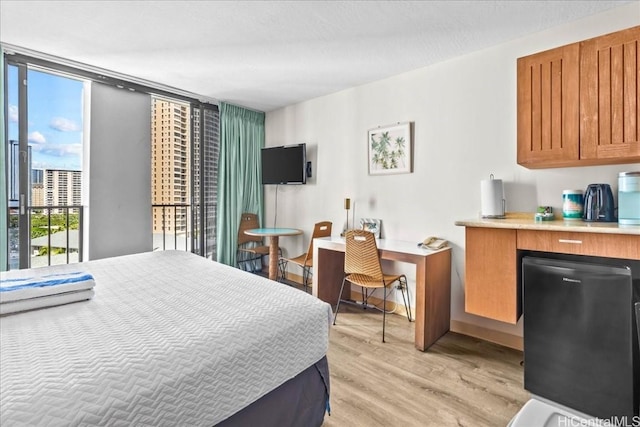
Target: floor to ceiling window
170 174
184 151
53 175
44 166
206 143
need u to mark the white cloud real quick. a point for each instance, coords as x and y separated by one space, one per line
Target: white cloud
13 113
61 150
37 138
63 125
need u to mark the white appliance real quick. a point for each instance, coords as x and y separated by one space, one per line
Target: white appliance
629 198
492 200
538 412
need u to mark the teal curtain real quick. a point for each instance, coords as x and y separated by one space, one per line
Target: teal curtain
4 244
239 175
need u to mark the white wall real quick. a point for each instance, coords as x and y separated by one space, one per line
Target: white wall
464 115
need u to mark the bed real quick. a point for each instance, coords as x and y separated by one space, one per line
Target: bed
169 338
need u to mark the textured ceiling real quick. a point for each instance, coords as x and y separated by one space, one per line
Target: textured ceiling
268 54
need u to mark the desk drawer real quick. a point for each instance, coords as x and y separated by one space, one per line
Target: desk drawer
595 244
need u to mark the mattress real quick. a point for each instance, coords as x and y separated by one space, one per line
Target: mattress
169 338
298 402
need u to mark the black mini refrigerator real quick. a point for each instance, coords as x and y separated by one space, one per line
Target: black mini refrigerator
580 333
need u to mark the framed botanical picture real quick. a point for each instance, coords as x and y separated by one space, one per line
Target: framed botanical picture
372 225
390 149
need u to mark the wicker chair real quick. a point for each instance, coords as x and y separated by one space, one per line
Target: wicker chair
362 268
305 261
250 248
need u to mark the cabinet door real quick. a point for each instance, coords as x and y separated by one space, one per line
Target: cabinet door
610 97
491 284
548 108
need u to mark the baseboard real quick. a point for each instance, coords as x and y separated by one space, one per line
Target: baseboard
292 277
502 338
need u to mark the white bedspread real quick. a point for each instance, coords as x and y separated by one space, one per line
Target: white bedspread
170 339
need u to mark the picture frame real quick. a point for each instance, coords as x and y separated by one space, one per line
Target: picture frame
390 149
372 225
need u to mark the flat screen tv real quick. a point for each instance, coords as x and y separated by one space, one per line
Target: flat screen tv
284 164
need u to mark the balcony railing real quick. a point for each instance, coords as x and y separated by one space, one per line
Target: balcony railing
172 227
178 226
56 232
60 243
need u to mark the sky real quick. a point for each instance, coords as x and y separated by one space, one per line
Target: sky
55 119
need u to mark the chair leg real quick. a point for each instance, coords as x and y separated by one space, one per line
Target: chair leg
335 316
407 302
384 310
243 262
282 268
239 261
305 278
281 271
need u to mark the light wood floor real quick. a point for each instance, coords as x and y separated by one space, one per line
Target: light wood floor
459 381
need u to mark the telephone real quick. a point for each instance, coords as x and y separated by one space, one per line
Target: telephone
433 243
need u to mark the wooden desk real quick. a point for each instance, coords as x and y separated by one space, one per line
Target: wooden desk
433 281
274 235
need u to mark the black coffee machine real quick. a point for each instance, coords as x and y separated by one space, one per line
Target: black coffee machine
598 204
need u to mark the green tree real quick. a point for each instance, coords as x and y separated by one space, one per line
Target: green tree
40 227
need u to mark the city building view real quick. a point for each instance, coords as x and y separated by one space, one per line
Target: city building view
60 188
182 189
206 131
53 188
170 168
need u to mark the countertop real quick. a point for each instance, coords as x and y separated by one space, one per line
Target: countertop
526 221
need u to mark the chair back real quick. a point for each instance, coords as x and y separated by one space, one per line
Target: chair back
247 222
320 229
361 254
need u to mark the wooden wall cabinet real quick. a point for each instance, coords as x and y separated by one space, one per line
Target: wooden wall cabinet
548 107
579 105
610 97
